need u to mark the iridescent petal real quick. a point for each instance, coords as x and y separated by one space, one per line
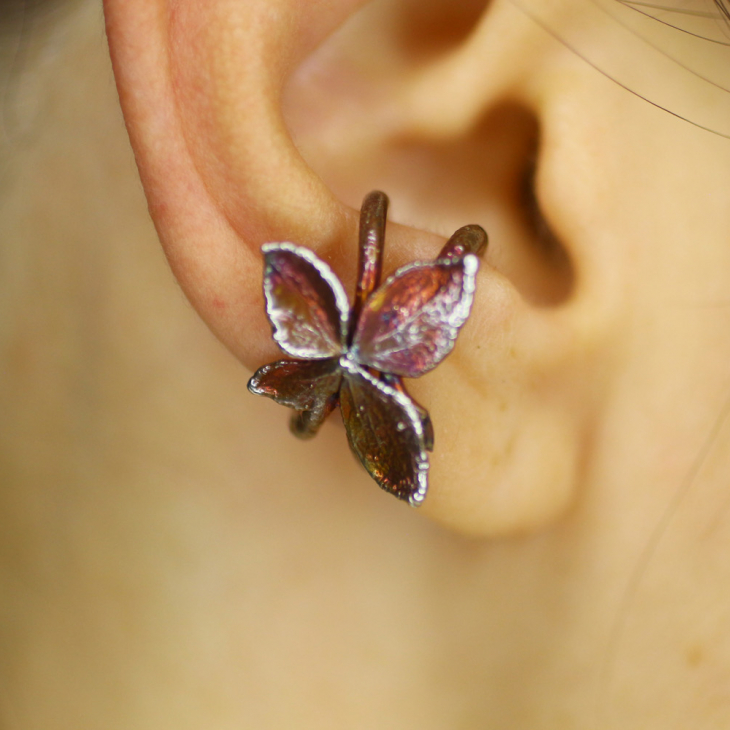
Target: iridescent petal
428 435
385 431
305 302
302 384
411 322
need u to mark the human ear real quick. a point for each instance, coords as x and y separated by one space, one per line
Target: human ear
215 95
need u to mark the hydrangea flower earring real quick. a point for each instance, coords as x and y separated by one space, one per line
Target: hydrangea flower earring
355 357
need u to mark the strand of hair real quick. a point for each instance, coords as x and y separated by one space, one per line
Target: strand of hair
632 6
668 9
595 66
660 50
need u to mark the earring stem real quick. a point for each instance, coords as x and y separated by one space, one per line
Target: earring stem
468 239
373 215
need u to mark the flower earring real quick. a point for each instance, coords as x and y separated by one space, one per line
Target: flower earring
356 357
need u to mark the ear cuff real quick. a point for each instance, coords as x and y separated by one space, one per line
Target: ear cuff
356 357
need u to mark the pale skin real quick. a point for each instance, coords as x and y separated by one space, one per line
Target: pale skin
173 558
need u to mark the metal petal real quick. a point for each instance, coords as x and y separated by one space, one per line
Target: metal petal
428 435
411 322
302 384
305 302
385 431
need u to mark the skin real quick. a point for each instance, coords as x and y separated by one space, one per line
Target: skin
173 558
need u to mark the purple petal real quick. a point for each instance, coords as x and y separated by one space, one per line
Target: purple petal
306 385
305 302
411 322
385 432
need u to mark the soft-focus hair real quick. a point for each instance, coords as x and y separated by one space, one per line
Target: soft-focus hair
724 7
14 13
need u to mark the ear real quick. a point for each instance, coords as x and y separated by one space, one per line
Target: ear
214 95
